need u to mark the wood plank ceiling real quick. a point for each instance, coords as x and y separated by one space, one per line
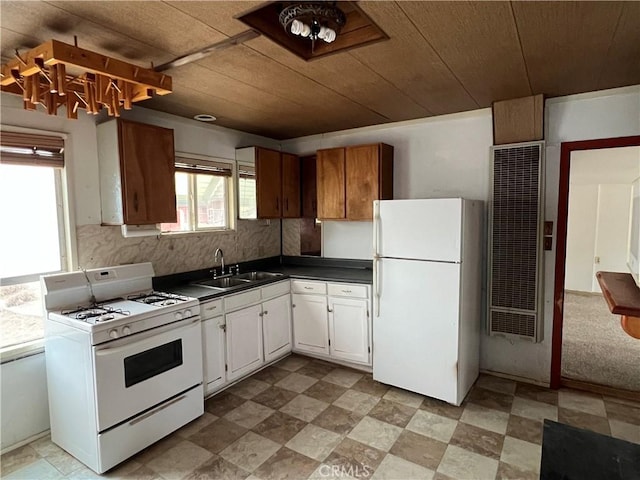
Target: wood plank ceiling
442 57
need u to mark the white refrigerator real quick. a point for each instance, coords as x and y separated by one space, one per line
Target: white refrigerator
427 271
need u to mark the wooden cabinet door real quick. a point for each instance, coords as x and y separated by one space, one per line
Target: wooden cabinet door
244 341
362 174
269 183
290 186
310 332
276 327
309 189
213 340
330 174
349 329
147 163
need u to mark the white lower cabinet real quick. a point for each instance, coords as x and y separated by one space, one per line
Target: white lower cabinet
349 329
276 327
337 326
244 341
310 323
214 347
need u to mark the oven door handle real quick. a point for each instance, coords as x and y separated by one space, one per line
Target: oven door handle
125 343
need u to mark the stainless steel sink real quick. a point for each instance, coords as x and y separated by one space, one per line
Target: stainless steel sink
223 283
258 276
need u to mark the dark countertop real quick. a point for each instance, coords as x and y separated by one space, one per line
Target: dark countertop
307 268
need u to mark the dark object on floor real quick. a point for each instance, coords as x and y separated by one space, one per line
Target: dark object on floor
570 453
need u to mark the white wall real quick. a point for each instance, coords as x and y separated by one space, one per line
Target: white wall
605 114
445 156
581 237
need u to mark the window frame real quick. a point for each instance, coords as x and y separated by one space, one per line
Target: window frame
66 232
230 204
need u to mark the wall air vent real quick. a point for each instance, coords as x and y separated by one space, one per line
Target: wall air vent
515 240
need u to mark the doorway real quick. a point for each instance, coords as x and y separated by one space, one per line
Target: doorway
560 297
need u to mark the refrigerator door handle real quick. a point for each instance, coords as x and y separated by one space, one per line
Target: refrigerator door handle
376 284
376 228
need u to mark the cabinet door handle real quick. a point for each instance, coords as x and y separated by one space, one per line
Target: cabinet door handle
346 291
135 201
261 314
266 312
293 305
308 288
223 327
329 310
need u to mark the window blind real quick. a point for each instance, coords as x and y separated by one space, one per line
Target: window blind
246 171
203 166
30 149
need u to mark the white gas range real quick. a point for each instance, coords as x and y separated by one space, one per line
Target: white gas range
124 363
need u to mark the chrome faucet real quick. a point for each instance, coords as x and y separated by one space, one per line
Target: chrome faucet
215 259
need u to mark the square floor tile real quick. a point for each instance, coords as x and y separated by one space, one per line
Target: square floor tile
216 468
249 414
357 402
491 399
524 455
222 403
432 425
64 462
625 431
511 472
39 469
419 449
582 401
180 460
316 370
296 382
218 435
392 412
355 457
250 451
497 384
270 375
280 427
460 463
195 426
403 397
327 392
343 377
442 408
539 394
622 411
286 464
595 423
377 434
534 410
396 468
274 397
368 385
248 388
314 442
486 418
18 458
305 408
292 363
337 419
525 429
478 440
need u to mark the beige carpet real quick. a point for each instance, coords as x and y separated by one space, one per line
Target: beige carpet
594 347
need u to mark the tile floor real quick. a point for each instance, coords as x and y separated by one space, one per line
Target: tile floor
304 418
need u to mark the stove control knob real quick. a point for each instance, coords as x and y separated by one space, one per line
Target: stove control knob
126 330
187 313
113 333
178 315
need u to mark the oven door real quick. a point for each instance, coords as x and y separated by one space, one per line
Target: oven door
135 373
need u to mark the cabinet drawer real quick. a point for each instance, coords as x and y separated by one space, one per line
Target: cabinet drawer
211 309
233 302
275 289
302 286
347 290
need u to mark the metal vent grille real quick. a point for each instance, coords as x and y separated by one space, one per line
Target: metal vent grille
514 237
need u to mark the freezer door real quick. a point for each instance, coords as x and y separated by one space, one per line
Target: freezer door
415 331
419 229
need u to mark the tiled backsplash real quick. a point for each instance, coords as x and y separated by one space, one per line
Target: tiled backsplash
101 246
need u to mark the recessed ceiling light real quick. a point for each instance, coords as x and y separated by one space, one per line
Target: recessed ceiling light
205 117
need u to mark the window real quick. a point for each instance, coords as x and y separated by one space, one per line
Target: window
203 192
247 192
33 241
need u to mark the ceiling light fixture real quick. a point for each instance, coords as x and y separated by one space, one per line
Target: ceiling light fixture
313 20
205 117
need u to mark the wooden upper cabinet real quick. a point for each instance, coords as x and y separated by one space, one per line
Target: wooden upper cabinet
290 186
309 187
366 174
137 173
277 183
330 175
268 183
